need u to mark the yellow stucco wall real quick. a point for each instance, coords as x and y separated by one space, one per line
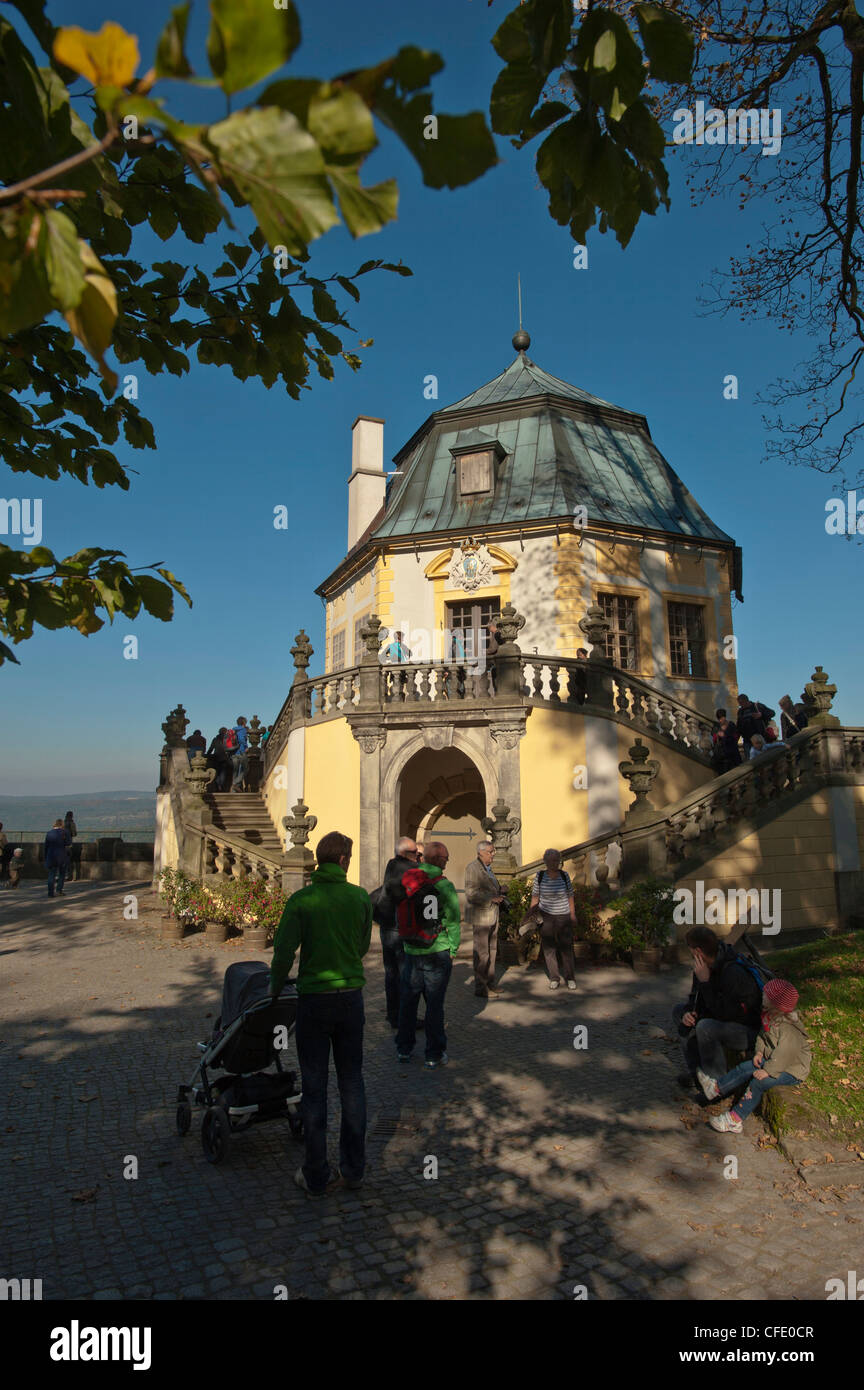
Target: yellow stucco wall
274 791
568 565
331 786
553 812
678 774
795 854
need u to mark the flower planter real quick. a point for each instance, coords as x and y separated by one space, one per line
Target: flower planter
647 961
582 950
172 927
215 933
255 938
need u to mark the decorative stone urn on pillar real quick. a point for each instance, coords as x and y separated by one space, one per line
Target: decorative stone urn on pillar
502 829
297 863
821 695
598 674
640 773
253 757
508 658
175 727
370 666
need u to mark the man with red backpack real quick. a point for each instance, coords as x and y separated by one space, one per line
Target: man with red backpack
429 926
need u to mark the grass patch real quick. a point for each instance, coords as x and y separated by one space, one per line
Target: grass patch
829 976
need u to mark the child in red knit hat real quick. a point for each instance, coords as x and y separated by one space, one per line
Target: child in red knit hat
782 1057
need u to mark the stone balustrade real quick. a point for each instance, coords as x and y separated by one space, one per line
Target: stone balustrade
672 842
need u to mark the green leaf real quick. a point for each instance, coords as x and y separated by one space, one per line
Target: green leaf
612 61
155 596
365 210
510 40
249 39
514 96
548 24
668 43
279 169
163 218
63 260
342 124
25 294
171 60
175 584
325 306
92 320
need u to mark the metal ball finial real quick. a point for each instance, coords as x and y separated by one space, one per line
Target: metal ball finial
521 340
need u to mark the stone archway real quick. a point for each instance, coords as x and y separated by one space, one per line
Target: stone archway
442 797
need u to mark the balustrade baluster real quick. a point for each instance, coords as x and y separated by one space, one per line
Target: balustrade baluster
622 702
554 684
426 674
538 681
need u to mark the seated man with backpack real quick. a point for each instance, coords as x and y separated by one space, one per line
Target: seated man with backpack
428 923
724 1008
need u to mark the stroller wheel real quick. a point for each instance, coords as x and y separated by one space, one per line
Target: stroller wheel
184 1117
215 1134
295 1124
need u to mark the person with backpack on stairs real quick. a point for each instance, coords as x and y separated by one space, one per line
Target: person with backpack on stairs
724 1008
429 924
236 744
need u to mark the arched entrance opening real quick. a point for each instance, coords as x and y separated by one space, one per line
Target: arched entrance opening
442 797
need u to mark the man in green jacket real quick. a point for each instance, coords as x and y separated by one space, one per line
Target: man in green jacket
427 969
330 923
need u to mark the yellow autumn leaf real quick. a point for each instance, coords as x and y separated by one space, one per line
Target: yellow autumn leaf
109 58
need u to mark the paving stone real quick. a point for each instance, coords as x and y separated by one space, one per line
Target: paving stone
626 1204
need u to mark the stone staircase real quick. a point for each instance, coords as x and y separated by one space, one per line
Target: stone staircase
244 816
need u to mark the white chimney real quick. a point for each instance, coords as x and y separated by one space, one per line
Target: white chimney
367 482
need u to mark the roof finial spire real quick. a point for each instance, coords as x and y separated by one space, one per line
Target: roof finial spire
521 340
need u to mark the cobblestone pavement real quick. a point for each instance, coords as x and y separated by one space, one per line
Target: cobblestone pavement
557 1167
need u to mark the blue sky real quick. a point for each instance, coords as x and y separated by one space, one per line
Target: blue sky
78 717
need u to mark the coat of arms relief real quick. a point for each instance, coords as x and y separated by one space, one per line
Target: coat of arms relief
470 567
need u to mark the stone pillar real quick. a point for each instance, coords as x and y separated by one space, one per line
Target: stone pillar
370 666
508 658
253 767
298 862
598 669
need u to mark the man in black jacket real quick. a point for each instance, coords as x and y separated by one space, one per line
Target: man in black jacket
723 1009
384 912
753 718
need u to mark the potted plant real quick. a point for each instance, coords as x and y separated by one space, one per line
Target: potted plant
588 932
641 923
512 947
185 901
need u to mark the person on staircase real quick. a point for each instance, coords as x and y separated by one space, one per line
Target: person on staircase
219 759
240 756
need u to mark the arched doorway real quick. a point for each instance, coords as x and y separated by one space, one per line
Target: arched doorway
442 797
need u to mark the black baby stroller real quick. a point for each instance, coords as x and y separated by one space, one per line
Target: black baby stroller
250 1034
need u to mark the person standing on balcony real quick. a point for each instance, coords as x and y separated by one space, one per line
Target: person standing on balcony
240 757
195 743
56 854
74 868
5 853
552 892
483 898
330 923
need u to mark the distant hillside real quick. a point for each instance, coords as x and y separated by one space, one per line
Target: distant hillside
127 813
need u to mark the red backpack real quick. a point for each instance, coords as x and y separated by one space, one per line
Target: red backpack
418 916
230 741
